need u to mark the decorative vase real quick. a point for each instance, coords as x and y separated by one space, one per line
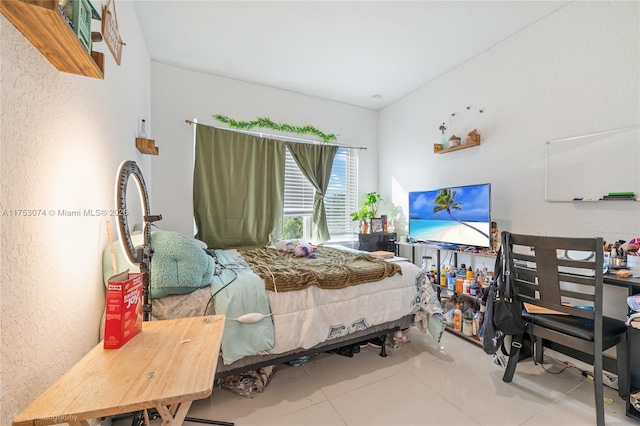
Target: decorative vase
444 141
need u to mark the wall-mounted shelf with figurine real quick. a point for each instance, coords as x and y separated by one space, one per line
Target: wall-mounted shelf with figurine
455 148
147 146
43 25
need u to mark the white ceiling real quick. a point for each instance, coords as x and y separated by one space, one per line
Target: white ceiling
346 51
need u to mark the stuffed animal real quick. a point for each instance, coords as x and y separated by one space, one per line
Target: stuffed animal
286 245
303 250
400 337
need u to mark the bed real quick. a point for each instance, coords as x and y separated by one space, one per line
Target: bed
302 311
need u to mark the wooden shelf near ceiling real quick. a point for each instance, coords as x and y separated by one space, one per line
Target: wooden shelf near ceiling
147 146
456 148
42 24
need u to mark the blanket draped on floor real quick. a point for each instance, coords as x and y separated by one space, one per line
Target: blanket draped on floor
428 311
329 268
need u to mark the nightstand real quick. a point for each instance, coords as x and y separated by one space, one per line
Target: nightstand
377 241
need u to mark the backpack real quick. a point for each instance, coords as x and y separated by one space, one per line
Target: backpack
503 315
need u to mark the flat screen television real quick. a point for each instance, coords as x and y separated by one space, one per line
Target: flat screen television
456 215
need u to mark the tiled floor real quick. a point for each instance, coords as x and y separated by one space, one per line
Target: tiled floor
419 383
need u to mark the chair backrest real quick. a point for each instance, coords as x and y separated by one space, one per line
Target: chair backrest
561 274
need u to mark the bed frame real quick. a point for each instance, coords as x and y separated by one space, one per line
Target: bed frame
255 362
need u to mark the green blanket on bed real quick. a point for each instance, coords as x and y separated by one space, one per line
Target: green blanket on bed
239 291
328 268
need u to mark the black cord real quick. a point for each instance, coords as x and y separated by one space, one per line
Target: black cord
213 254
557 372
566 366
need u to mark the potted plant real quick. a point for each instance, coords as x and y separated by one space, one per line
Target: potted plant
363 215
371 200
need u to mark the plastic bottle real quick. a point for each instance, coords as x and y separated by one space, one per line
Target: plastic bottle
425 269
467 323
469 273
457 318
466 284
443 277
473 289
143 132
476 322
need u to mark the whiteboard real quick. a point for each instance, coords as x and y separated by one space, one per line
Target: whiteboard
590 166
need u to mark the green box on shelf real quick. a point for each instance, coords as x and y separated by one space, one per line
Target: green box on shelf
82 22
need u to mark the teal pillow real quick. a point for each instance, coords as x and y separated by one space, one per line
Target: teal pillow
178 265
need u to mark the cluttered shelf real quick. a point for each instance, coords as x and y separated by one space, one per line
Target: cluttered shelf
459 288
460 292
463 315
456 143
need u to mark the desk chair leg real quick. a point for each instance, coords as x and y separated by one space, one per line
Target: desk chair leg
622 355
538 354
598 388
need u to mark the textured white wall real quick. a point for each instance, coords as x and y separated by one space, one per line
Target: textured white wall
574 72
63 137
178 94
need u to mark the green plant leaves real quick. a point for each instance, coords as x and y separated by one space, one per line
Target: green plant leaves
267 123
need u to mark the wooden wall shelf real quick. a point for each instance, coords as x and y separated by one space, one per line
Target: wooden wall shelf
43 25
147 146
456 148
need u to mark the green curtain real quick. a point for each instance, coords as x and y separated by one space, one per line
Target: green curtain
316 162
238 188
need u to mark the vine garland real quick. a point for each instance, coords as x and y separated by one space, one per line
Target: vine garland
266 123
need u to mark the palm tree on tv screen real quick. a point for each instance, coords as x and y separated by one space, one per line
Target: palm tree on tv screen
446 200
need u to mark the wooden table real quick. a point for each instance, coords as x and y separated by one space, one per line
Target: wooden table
633 339
167 366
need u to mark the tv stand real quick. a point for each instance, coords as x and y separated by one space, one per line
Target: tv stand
441 255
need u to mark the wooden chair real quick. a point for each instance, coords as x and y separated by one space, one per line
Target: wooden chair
565 275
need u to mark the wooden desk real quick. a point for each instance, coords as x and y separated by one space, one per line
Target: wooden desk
167 366
633 339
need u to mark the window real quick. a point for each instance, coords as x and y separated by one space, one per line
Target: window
340 200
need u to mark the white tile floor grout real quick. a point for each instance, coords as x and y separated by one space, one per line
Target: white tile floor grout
420 383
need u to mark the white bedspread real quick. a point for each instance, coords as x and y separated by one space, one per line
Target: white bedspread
307 317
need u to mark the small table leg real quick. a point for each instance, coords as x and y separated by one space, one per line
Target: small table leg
172 416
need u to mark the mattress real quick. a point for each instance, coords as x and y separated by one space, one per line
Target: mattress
306 318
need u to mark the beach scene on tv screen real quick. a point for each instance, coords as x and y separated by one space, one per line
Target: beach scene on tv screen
456 215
